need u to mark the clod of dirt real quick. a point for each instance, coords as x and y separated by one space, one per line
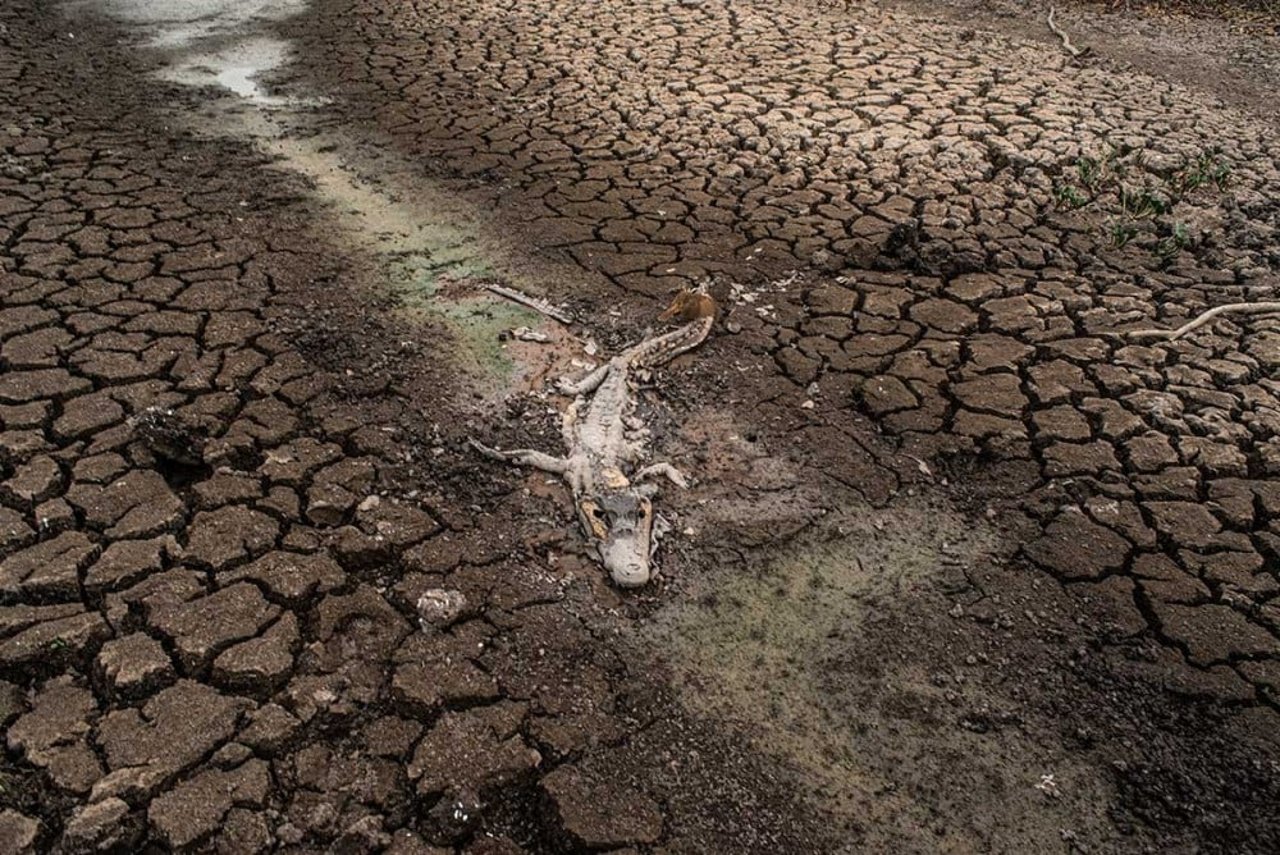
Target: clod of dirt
169 437
601 814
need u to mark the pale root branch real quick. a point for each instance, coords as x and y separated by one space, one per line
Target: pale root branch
1076 53
1205 317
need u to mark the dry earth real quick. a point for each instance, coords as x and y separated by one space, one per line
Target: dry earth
966 567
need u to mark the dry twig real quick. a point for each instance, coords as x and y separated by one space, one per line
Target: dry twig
1204 318
536 303
1076 53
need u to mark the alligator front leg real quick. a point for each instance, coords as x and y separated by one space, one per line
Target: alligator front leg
666 470
525 457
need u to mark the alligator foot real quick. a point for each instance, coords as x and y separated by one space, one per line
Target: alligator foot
666 470
524 457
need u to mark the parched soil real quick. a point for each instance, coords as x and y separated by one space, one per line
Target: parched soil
967 567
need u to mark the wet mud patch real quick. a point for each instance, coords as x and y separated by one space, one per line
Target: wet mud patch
429 255
840 654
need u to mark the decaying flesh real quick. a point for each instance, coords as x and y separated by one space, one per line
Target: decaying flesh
614 508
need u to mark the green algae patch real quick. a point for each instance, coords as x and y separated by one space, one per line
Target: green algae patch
446 288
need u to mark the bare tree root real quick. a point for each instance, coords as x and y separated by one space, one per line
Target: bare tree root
1201 320
1076 53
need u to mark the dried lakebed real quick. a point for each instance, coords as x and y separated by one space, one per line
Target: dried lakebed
964 568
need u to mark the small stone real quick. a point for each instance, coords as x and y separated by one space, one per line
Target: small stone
439 608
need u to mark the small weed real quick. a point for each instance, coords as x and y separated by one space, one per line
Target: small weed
1120 233
59 644
1137 198
1090 172
1167 248
1142 203
1220 175
1207 168
1069 196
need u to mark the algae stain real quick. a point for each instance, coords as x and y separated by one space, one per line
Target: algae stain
441 287
431 248
777 648
431 253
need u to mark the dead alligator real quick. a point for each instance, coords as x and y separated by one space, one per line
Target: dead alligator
614 508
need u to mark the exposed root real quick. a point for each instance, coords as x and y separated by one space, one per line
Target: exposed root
1201 320
1076 53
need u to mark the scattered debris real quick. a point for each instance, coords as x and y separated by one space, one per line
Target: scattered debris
921 465
525 334
1048 786
168 436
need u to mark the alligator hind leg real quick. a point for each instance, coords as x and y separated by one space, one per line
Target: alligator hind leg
525 457
666 470
585 385
569 423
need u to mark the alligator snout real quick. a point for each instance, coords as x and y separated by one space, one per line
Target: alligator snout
628 565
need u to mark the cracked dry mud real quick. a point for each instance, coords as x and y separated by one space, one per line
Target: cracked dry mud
964 570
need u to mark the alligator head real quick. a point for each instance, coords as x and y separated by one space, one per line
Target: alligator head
620 525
